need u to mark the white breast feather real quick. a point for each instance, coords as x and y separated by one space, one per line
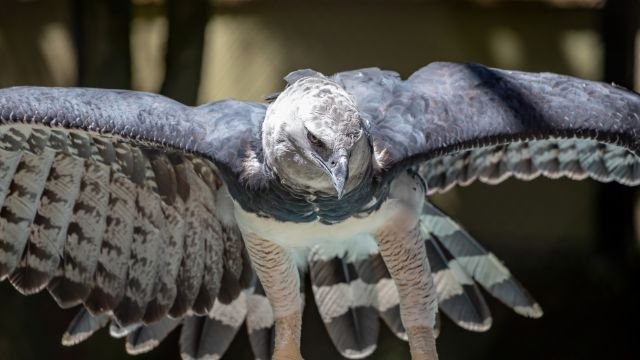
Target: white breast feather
351 237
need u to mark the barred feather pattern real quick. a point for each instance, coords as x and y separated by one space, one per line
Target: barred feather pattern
105 222
130 232
469 260
48 233
343 287
347 303
342 303
576 159
458 296
260 324
201 336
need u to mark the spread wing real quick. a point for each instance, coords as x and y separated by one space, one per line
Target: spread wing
110 199
468 122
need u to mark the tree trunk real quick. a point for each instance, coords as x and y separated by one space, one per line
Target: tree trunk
185 46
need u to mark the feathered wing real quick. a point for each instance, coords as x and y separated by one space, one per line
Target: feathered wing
456 120
462 123
110 199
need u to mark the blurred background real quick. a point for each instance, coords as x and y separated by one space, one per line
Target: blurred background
572 244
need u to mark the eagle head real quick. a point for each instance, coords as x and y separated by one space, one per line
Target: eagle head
314 138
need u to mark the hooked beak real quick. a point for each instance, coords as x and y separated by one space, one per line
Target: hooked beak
339 172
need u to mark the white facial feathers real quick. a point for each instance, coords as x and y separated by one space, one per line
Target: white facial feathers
312 134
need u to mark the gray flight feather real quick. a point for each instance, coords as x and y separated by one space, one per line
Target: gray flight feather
82 327
21 202
149 236
458 297
148 337
86 229
196 220
109 203
48 235
573 158
484 267
118 330
372 270
106 223
260 323
113 261
208 337
347 304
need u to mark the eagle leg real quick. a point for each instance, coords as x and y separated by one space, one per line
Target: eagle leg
403 251
279 276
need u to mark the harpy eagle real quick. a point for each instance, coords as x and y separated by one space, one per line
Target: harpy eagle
154 215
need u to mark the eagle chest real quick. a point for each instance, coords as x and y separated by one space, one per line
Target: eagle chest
350 218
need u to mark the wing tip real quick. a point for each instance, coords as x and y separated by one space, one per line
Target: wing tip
67 293
185 356
476 326
69 339
533 311
29 281
359 353
141 348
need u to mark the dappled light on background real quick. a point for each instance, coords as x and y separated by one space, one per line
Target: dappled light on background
506 48
583 51
56 45
148 42
243 59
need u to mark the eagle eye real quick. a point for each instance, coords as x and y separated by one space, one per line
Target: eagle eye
314 139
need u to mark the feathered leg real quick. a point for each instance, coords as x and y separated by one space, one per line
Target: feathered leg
403 251
278 274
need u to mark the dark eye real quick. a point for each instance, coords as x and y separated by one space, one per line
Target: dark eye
314 139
